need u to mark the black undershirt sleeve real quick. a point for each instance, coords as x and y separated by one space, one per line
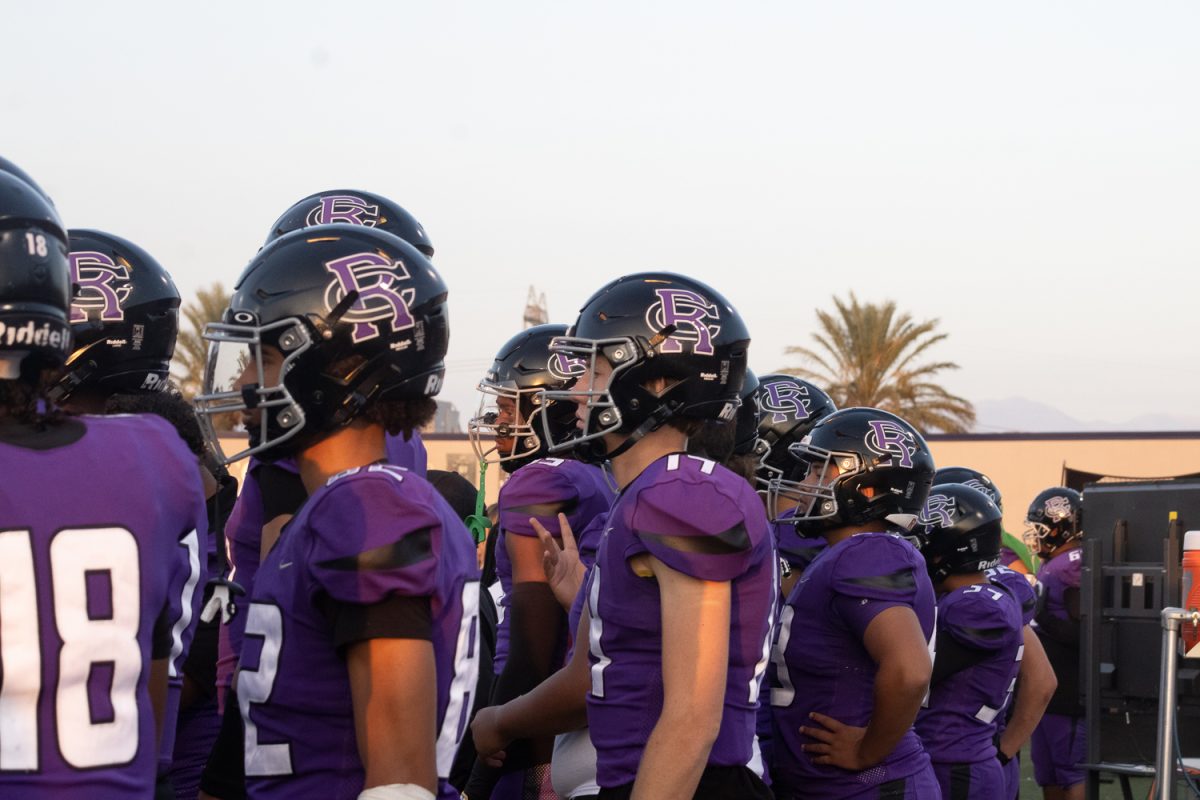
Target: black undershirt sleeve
952 656
395 617
531 654
282 491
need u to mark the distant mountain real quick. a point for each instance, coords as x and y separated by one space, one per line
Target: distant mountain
1022 415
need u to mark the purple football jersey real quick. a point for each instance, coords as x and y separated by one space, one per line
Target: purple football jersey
243 537
101 570
541 489
588 542
1019 587
819 662
408 453
368 534
1057 576
676 496
958 721
798 551
243 532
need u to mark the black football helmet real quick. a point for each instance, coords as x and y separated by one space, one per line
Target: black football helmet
35 282
745 422
970 477
353 207
357 314
959 530
788 407
523 369
13 169
647 326
1055 517
124 318
860 465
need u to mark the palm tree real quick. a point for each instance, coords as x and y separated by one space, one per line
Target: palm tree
191 350
868 356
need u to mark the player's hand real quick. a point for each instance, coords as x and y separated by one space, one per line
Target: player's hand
489 740
564 570
837 744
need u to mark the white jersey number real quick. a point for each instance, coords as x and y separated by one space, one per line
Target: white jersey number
88 737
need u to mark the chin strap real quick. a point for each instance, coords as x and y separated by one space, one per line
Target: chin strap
478 523
652 423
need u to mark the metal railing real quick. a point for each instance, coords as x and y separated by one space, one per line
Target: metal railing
1168 704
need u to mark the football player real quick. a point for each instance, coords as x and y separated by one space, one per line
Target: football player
101 521
272 492
1059 745
978 642
359 644
509 430
124 322
789 407
1013 552
680 600
1036 681
851 659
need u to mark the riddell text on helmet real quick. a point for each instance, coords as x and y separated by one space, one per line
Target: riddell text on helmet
34 334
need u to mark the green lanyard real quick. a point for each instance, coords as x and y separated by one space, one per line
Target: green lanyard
478 523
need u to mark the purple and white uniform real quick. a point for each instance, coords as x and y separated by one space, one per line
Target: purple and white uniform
958 722
677 497
243 533
798 551
370 534
1059 743
542 489
820 663
101 571
1018 586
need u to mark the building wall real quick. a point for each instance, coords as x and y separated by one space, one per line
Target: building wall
1021 465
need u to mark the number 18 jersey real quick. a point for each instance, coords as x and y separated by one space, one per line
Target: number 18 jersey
100 571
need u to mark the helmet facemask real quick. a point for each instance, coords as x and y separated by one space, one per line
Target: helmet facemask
233 348
810 494
504 430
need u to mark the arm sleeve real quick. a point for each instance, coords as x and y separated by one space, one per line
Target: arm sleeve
373 540
697 529
282 491
536 491
394 617
872 577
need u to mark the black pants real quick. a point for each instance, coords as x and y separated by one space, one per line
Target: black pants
716 783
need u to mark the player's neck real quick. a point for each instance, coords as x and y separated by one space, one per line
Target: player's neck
650 448
953 582
356 445
1063 548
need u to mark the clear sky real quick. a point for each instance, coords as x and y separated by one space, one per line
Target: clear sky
1028 172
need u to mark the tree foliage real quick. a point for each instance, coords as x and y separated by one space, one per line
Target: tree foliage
191 350
870 354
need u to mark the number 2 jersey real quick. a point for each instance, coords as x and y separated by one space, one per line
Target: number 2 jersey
369 535
100 572
702 520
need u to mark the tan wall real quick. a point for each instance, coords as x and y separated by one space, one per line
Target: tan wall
1023 467
1020 467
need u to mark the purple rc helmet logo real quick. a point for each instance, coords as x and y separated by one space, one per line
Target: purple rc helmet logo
888 438
689 312
380 301
565 367
982 488
1058 508
939 511
103 287
343 208
784 400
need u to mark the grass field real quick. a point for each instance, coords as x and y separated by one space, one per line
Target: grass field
1109 791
